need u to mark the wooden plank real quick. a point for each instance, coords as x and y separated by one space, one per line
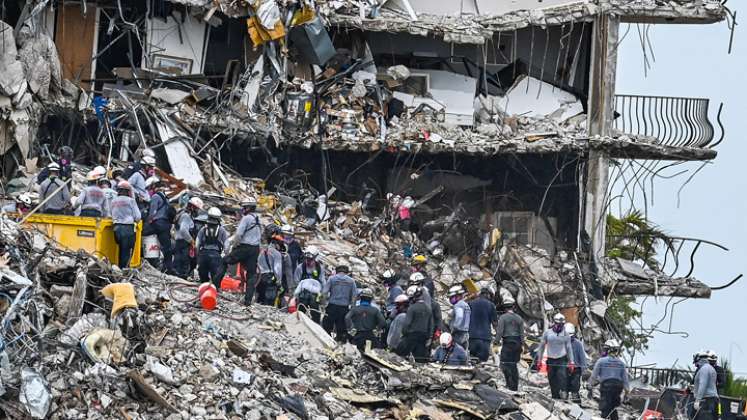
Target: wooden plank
74 36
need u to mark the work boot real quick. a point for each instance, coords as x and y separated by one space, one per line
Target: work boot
576 397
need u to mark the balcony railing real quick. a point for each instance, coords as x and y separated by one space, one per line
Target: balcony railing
678 122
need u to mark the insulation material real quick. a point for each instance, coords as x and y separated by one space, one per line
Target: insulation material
530 97
183 165
176 43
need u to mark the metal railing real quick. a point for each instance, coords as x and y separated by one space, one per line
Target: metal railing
661 377
674 121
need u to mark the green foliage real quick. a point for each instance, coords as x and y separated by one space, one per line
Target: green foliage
734 387
621 313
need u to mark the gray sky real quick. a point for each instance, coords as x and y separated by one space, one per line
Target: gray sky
692 61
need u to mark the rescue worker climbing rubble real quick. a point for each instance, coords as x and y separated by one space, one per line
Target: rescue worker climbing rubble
483 315
510 332
310 266
417 327
270 267
92 202
559 356
363 320
295 250
211 243
138 180
449 352
340 291
183 240
158 221
579 356
460 316
611 374
418 266
308 294
245 247
54 191
390 280
125 215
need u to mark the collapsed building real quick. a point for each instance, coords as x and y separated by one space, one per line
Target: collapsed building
493 118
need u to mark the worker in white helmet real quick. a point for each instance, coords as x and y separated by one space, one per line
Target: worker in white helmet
183 239
53 192
611 374
559 356
510 332
449 352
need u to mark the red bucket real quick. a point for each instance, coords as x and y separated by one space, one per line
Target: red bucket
230 284
208 295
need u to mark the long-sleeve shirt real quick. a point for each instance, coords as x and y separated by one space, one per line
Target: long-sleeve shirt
212 238
419 319
460 317
456 356
184 226
249 231
58 200
509 325
137 181
309 284
610 367
395 331
92 198
705 381
340 290
482 316
557 344
122 296
303 271
394 291
109 196
159 207
125 211
364 317
270 260
579 353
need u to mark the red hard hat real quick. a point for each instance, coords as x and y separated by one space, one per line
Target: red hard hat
124 185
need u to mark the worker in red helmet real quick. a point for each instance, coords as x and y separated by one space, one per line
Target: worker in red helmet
125 216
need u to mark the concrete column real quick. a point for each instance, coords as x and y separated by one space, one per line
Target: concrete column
600 113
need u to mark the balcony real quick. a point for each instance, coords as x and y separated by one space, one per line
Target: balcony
671 121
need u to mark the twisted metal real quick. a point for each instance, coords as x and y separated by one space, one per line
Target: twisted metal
673 121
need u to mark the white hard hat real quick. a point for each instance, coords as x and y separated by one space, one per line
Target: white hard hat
152 181
401 298
711 355
24 198
414 291
149 152
311 251
612 344
509 301
92 176
249 201
196 202
445 340
559 318
417 278
287 229
388 273
570 329
100 170
456 289
53 166
148 160
214 212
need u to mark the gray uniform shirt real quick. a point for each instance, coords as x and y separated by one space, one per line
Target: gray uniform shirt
395 331
220 245
249 231
298 274
125 211
460 317
609 367
137 181
59 200
184 226
159 205
340 290
557 344
705 381
270 260
92 198
510 325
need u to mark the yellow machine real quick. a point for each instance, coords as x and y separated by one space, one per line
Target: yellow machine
90 234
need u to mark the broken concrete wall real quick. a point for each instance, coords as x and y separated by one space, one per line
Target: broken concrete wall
177 41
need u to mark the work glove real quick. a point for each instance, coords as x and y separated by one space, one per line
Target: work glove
571 367
696 405
353 332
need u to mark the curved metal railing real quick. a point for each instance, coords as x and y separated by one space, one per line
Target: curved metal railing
674 121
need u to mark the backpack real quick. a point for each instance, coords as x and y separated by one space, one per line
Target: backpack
170 210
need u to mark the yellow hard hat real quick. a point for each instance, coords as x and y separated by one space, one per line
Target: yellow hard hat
419 259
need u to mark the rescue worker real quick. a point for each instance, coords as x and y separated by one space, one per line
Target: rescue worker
212 241
138 180
137 164
54 190
417 279
510 333
417 328
612 375
394 333
720 372
158 222
340 292
21 204
705 390
308 294
125 215
64 163
418 263
109 194
245 247
460 316
92 201
483 315
310 266
579 356
390 280
363 320
183 240
559 356
449 352
295 251
124 307
270 266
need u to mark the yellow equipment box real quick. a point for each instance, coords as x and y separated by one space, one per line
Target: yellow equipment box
91 234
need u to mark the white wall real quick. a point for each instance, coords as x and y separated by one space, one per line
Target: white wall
163 38
484 7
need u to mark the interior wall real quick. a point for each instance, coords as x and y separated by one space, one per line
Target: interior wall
75 37
180 35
